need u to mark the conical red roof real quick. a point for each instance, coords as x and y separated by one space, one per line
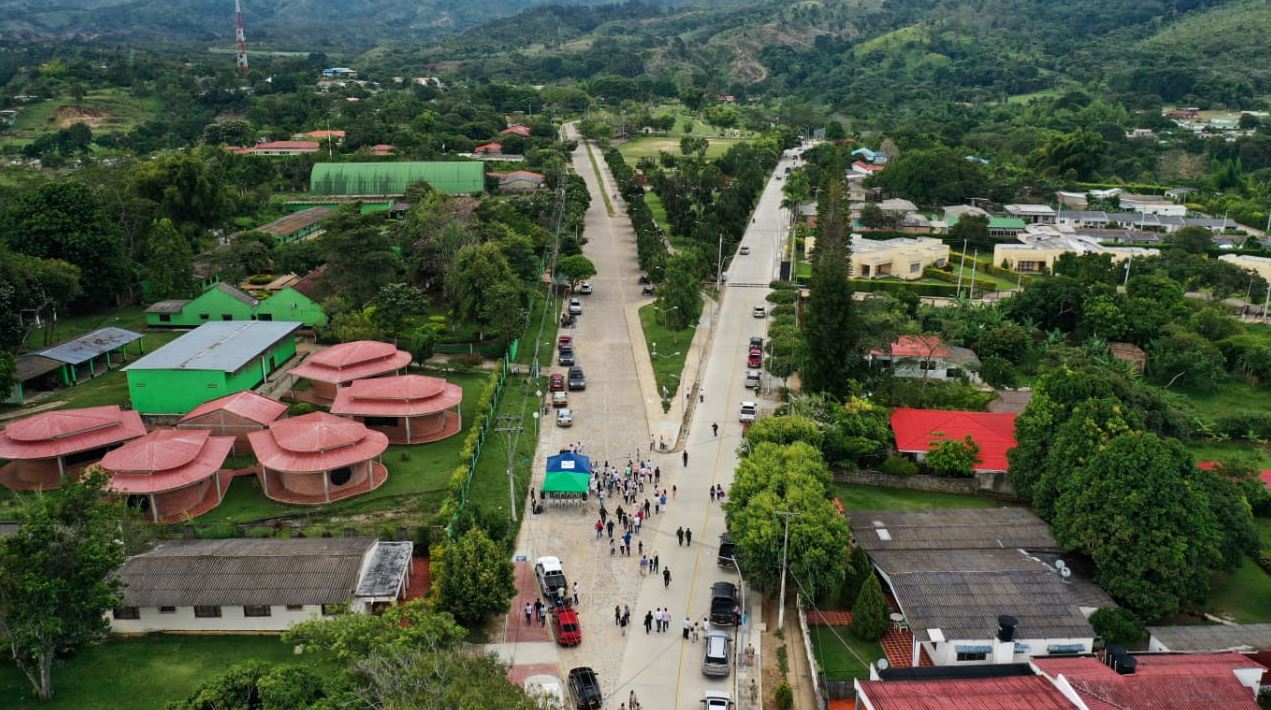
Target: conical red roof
246 404
347 362
403 396
316 442
166 459
354 353
68 431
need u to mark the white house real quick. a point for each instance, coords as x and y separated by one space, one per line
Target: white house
1032 214
979 587
1152 204
249 585
926 357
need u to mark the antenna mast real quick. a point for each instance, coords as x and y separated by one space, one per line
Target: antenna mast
240 38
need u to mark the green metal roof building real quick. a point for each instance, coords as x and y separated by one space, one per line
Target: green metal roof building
392 178
213 360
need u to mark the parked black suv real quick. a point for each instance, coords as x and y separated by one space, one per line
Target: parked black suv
577 380
566 355
723 602
727 551
584 688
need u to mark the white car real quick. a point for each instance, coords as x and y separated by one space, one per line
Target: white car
744 251
575 307
585 287
564 417
717 700
549 692
748 412
759 312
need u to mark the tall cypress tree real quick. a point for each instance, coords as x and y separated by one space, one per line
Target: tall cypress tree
829 322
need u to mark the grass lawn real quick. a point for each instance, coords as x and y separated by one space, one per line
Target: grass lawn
860 497
1246 593
1232 396
651 146
141 673
1219 450
595 166
490 481
671 348
106 110
836 656
546 336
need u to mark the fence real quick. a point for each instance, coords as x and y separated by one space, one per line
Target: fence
817 678
994 483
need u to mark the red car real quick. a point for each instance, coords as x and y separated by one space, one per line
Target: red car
556 383
755 359
565 624
565 341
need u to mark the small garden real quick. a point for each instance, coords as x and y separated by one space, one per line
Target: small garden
668 349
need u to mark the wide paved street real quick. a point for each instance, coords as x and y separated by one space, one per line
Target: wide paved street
612 424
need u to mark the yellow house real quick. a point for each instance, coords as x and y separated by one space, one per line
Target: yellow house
1259 265
900 257
1037 252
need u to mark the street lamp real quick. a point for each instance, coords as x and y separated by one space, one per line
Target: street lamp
741 588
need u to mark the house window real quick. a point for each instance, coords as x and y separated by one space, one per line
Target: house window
207 612
264 316
256 610
227 316
295 607
926 365
1061 648
1021 648
167 610
915 268
165 317
127 612
204 316
953 373
972 656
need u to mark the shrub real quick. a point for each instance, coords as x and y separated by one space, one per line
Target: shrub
260 279
1117 625
296 409
869 613
998 372
465 364
784 309
781 297
951 457
1264 561
784 696
781 285
897 465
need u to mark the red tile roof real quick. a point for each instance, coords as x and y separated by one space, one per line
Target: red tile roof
315 442
1167 682
321 134
50 434
248 405
517 129
1265 475
402 396
1010 693
916 429
352 361
166 459
489 148
922 346
868 167
308 146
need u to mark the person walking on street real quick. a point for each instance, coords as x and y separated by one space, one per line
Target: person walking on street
701 395
622 625
575 593
600 528
715 429
644 566
528 611
685 457
617 614
693 633
648 622
712 493
754 692
655 561
612 550
666 578
679 535
687 627
688 537
609 526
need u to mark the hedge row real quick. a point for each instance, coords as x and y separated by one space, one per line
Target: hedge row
941 290
462 473
980 284
651 249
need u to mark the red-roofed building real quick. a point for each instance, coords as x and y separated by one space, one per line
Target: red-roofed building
322 135
1008 693
1160 682
341 364
926 357
319 458
171 475
285 147
409 409
382 149
519 181
235 415
517 129
917 429
489 148
44 449
866 168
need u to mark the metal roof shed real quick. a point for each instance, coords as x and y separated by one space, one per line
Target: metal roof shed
89 355
392 178
211 361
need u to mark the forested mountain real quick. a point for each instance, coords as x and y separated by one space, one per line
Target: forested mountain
304 25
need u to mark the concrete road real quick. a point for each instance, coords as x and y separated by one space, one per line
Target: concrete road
665 671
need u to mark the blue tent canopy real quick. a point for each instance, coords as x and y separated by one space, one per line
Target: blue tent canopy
569 462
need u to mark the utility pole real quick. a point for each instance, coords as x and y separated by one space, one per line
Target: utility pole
785 548
975 260
719 264
961 268
509 425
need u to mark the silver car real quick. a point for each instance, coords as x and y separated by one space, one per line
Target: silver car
718 655
575 307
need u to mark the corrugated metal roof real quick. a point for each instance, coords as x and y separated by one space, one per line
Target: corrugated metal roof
239 571
386 571
168 306
1013 693
296 221
965 605
87 347
952 529
236 294
1217 637
224 346
32 365
1159 682
392 178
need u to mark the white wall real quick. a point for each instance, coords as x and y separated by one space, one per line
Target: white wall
946 653
230 621
911 368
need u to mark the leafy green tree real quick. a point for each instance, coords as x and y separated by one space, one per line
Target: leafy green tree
355 324
422 345
360 260
66 220
1224 496
692 145
1103 317
859 569
351 637
869 613
399 677
258 685
873 217
783 430
57 576
1151 536
1079 153
472 577
485 288
397 307
575 269
169 262
972 228
936 176
1180 355
188 187
1117 625
1193 240
692 97
950 457
1090 268
679 299
8 370
1009 341
829 322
